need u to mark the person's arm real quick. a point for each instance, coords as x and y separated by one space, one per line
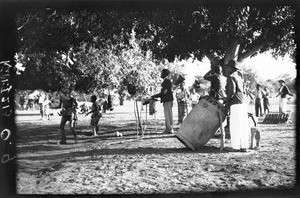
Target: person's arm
230 87
279 92
263 94
164 89
75 103
288 91
91 111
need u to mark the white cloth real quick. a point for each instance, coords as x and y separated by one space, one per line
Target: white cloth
239 126
282 105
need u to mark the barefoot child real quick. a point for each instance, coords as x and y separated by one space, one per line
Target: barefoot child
96 115
46 104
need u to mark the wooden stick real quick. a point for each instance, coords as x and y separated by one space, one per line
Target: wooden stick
222 137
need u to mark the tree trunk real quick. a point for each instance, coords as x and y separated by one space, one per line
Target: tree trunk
231 51
121 100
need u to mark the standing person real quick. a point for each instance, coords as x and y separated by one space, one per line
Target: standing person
68 113
22 101
247 94
96 114
166 97
194 97
283 92
258 100
41 100
46 106
238 111
266 101
234 85
182 97
215 77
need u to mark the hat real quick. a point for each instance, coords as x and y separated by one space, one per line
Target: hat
281 81
231 63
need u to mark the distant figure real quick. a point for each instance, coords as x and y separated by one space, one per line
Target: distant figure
166 97
41 100
68 113
22 101
96 115
105 106
258 100
182 98
215 77
194 97
283 92
266 101
248 95
46 106
110 102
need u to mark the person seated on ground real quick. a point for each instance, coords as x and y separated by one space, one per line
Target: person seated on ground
96 115
216 78
69 107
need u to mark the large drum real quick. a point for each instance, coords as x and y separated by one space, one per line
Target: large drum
201 123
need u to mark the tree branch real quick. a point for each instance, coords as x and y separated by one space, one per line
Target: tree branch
252 50
213 59
231 49
19 28
255 47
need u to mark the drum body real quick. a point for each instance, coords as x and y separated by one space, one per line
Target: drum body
201 123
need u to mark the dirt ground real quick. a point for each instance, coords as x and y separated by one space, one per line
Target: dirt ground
151 164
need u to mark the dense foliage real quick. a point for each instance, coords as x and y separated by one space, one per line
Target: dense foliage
92 49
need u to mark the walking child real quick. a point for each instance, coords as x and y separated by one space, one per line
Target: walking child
96 115
46 104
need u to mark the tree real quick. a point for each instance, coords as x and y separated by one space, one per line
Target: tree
48 40
251 79
219 33
110 68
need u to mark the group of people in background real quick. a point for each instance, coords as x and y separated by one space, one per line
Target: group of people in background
227 86
44 105
261 101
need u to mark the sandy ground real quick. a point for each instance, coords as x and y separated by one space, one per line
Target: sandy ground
151 164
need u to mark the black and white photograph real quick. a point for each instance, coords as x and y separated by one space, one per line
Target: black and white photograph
148 98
